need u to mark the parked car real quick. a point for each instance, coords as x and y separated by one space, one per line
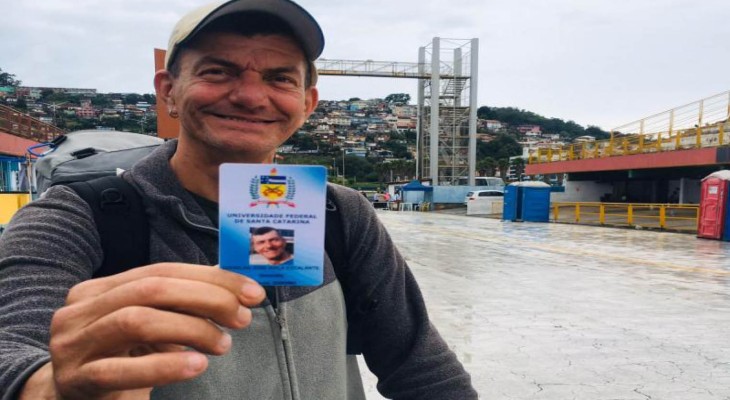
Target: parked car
477 194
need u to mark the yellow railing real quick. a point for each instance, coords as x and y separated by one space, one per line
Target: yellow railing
10 203
703 123
673 217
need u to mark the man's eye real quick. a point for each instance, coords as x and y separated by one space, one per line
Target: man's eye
284 79
214 72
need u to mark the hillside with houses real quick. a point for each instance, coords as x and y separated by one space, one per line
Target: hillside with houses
362 141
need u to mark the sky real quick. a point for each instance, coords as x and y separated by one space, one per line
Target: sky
596 62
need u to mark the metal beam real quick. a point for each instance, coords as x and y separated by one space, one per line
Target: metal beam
434 124
383 69
473 110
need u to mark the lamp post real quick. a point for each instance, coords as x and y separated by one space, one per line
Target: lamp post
53 107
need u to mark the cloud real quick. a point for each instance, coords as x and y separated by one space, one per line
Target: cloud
597 62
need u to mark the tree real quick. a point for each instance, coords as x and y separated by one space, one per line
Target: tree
503 146
398 99
515 117
357 168
302 141
8 79
399 150
132 98
503 164
597 132
411 135
149 98
387 171
486 166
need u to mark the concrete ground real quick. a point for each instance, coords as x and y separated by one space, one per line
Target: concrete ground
554 311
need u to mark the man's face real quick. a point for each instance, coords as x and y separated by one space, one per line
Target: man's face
241 95
270 245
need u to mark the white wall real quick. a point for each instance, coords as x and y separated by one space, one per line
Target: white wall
485 206
582 191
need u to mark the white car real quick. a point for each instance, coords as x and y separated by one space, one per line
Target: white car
480 194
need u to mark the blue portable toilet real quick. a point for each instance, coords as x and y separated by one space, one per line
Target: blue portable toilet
527 201
512 209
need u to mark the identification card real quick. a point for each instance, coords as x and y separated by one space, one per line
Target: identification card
272 222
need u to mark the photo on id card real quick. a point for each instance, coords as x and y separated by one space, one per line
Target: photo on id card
272 221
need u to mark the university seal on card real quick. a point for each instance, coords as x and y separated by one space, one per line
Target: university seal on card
272 190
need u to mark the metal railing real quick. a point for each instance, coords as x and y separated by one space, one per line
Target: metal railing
17 123
704 123
671 217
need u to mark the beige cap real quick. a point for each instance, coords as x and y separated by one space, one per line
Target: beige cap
303 25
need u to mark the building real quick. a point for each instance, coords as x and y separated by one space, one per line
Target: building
492 124
86 111
529 130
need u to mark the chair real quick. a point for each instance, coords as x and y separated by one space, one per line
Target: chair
405 207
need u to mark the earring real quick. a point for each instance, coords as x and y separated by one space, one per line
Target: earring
173 113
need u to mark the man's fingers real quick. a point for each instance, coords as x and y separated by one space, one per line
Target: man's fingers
193 297
134 327
125 373
146 325
156 348
246 289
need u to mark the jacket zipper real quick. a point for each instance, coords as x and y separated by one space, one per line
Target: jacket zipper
280 319
192 224
286 345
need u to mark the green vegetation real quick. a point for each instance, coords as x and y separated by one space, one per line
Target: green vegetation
515 117
398 99
8 79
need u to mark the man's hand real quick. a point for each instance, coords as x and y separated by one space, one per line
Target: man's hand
132 330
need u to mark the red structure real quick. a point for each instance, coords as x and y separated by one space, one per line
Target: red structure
12 145
668 159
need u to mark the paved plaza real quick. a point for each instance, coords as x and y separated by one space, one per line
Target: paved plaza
554 311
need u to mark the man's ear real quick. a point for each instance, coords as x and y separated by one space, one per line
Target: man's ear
163 86
311 98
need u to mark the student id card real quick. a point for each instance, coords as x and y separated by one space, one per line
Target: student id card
271 219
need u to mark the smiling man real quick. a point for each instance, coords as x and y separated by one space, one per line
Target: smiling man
240 78
268 243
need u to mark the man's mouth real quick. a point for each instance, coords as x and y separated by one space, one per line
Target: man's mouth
244 119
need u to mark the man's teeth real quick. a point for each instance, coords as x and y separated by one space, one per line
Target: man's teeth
243 119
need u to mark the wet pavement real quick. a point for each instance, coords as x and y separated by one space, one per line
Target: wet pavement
554 311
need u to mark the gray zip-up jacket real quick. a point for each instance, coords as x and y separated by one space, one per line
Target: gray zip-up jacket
294 351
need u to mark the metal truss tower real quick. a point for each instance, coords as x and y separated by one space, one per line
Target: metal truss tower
447 105
447 96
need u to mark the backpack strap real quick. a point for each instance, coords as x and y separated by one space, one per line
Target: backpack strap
120 220
336 248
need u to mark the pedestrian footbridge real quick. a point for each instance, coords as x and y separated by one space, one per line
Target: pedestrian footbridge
695 134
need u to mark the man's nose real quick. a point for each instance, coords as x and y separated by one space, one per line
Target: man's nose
249 90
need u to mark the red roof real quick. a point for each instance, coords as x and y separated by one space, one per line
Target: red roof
13 145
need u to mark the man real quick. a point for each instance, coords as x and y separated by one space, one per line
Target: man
268 243
240 78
